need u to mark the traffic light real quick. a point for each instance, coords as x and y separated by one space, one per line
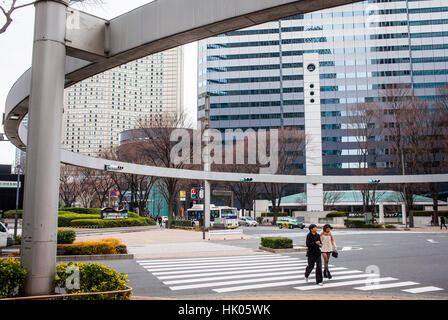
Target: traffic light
374 181
247 179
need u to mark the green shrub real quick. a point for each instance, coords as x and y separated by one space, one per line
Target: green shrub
133 215
260 220
65 218
105 246
66 236
93 277
181 223
390 226
361 224
271 214
429 213
11 214
337 214
17 239
12 278
276 242
130 222
84 210
372 226
354 223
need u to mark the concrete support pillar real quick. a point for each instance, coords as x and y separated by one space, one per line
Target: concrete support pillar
381 212
40 217
313 130
403 213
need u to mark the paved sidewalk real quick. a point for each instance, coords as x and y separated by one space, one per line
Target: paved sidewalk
159 236
166 243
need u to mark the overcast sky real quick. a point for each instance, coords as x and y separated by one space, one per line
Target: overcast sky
16 51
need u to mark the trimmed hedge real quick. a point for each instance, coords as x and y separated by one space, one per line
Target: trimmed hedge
181 223
84 210
65 218
390 226
271 214
276 242
11 214
361 224
130 222
429 213
105 246
337 214
93 277
12 278
66 236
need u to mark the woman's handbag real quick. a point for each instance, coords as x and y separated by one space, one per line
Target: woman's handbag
334 253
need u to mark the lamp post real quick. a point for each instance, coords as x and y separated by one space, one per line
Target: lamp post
18 168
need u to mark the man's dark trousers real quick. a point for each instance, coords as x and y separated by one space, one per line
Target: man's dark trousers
314 259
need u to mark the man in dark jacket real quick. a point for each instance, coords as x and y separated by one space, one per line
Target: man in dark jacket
313 253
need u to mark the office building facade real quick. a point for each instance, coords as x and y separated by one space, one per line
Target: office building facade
255 76
98 109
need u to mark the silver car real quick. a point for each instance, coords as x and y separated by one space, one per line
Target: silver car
247 221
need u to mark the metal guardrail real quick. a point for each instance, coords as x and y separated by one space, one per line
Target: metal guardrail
225 232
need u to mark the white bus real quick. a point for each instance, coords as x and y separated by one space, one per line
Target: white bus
216 212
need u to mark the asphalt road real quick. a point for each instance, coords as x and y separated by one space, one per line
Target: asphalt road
405 260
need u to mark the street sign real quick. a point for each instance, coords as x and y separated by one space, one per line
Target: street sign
112 214
9 185
182 195
201 194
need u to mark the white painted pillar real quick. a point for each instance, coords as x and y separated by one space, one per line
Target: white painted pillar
313 130
403 213
381 212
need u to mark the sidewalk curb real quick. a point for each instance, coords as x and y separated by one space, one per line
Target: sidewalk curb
95 257
294 249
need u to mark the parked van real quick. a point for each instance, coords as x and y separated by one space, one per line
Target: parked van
5 238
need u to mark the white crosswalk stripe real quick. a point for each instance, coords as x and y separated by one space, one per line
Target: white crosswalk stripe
423 289
341 284
250 272
387 286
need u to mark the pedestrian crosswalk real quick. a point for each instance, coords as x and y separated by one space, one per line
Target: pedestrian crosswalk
251 272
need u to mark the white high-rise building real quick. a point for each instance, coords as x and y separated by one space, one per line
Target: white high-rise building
96 110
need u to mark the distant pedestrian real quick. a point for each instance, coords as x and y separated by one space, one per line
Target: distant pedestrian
328 246
432 220
160 222
442 222
313 253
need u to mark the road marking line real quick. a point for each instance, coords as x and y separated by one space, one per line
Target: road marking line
190 275
175 261
340 284
222 265
225 283
210 258
388 285
276 265
423 289
246 276
432 241
149 264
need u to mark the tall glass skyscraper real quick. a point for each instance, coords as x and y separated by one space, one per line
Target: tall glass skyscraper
255 76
